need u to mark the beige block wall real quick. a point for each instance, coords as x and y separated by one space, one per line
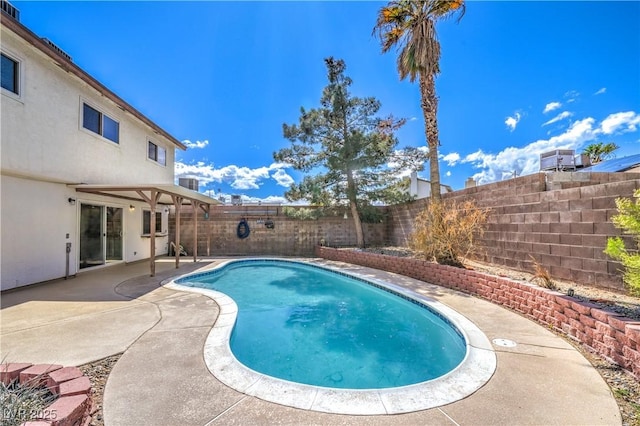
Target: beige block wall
562 220
289 237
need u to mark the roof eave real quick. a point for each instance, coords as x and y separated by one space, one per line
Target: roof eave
68 66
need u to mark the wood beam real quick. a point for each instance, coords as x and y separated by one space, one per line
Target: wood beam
153 201
177 202
195 204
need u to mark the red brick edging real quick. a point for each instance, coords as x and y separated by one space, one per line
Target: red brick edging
72 388
614 337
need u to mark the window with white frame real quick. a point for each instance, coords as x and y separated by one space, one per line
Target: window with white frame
146 222
157 153
10 74
100 123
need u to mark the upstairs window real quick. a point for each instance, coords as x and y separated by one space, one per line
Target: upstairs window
157 153
99 123
10 74
146 222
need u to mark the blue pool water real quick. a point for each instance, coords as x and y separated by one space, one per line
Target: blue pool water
310 325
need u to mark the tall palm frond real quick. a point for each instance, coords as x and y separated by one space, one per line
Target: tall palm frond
411 27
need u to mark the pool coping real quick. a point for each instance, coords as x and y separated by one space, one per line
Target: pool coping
471 374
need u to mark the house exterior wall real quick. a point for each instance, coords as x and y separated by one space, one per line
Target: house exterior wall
37 222
43 136
44 148
419 188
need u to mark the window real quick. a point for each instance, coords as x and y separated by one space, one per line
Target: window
146 222
10 74
157 153
99 123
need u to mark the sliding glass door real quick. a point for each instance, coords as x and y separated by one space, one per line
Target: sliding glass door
114 233
100 235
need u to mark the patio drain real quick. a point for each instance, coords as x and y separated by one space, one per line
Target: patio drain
505 343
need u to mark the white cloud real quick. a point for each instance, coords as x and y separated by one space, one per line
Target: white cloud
620 122
551 106
196 144
561 116
525 160
601 91
282 178
512 122
448 173
236 177
451 158
571 96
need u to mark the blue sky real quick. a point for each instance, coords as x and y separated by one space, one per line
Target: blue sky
518 78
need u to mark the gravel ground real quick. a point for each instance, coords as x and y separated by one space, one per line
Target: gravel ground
625 388
98 373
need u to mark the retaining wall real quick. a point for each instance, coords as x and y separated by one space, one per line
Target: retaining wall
73 404
613 337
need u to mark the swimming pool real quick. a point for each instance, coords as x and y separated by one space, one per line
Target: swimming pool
309 325
408 382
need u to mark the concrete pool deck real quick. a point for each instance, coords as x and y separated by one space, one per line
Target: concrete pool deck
162 377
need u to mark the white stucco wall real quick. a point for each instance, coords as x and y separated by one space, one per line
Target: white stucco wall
42 131
35 218
419 188
43 148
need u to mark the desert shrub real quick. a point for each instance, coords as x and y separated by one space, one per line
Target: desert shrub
446 231
372 214
22 402
541 275
303 213
627 219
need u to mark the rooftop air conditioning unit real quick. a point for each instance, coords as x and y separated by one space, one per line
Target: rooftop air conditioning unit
57 49
10 10
558 160
189 183
236 200
582 160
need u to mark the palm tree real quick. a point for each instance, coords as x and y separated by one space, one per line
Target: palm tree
600 151
411 26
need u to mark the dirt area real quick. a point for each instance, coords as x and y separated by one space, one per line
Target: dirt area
620 303
98 373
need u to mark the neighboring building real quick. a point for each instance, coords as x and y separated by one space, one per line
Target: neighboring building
421 188
629 164
81 170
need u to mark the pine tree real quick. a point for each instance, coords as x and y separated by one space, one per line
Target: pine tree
347 148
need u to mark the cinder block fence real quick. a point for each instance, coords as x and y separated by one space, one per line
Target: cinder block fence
559 220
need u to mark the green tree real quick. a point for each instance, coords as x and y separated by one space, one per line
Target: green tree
411 26
600 151
627 219
350 150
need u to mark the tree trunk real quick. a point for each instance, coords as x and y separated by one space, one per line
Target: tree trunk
429 103
353 204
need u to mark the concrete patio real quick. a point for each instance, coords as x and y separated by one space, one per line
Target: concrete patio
162 379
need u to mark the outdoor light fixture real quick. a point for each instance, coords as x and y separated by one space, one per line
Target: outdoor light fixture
132 207
345 216
71 201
